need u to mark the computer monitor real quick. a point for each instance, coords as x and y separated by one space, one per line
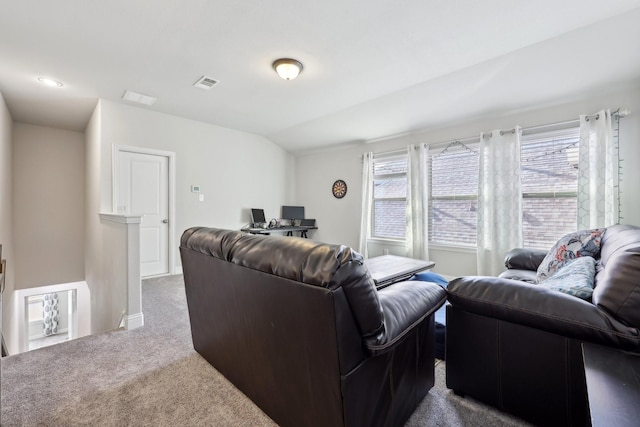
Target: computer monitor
257 216
292 212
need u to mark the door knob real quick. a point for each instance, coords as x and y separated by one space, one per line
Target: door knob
165 221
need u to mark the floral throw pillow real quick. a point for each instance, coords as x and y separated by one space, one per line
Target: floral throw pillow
573 245
575 278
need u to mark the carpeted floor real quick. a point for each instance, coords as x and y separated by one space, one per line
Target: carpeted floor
151 376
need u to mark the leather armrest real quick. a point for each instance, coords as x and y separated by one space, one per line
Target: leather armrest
541 308
404 306
524 258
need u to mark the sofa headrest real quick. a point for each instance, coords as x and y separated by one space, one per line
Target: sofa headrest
298 259
617 286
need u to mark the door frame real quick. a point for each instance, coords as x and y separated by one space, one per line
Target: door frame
171 156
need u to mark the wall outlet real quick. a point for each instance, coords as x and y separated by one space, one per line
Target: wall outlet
385 251
201 197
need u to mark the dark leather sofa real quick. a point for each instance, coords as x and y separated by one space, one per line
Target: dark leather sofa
300 328
517 345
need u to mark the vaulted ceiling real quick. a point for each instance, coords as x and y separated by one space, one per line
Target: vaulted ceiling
372 68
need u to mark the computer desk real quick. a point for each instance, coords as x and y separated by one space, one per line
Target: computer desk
284 229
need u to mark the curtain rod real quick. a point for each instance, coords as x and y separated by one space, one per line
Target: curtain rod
576 122
549 125
525 130
529 129
391 153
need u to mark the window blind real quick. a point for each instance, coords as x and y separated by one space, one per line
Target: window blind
389 197
453 197
549 177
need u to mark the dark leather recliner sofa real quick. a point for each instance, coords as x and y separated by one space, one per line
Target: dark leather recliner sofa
300 328
517 345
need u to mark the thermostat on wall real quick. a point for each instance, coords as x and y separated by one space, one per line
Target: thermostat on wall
195 188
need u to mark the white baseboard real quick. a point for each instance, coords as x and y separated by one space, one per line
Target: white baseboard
178 269
134 321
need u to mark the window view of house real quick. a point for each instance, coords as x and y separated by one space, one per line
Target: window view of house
389 197
454 195
549 177
549 190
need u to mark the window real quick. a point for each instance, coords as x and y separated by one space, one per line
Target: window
549 163
549 177
453 197
389 197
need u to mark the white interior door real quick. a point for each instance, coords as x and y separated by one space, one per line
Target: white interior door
143 189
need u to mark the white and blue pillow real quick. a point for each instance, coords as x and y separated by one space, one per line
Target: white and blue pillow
576 277
584 243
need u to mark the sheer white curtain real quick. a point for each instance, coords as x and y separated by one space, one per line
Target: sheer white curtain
499 199
416 237
367 195
597 172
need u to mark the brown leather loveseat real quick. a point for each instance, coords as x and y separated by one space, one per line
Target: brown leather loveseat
517 345
300 328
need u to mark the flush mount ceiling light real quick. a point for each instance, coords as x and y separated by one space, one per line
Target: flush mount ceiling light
49 82
287 68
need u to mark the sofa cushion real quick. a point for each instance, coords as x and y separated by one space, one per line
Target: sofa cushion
575 278
571 246
524 258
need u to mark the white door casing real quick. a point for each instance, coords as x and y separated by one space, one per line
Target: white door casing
141 187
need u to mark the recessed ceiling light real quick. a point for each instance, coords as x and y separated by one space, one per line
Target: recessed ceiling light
49 82
138 97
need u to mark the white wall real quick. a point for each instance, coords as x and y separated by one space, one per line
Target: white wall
341 218
338 220
6 211
93 244
235 170
44 214
48 205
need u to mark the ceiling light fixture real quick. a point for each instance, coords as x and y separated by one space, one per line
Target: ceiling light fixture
49 82
287 68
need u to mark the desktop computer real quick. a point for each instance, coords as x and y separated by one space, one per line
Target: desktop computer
258 220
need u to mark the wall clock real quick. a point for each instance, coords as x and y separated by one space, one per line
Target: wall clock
339 189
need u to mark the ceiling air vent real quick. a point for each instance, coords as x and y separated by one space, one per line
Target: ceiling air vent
138 97
205 82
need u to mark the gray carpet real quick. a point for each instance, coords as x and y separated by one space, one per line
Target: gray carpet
151 376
